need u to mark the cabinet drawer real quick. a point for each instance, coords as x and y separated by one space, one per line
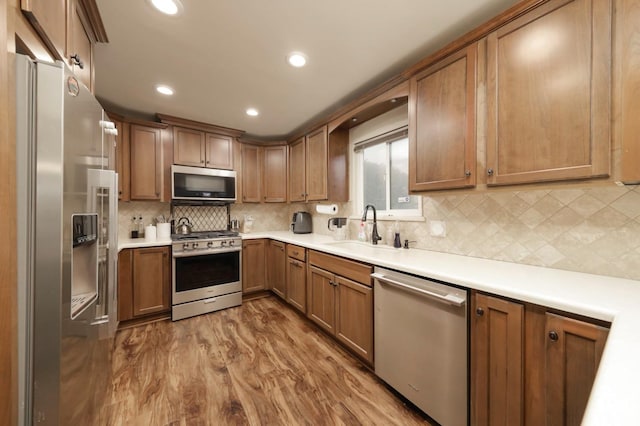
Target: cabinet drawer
296 252
356 271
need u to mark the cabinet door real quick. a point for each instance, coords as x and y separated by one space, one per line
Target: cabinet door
151 281
442 125
146 162
316 164
125 285
275 174
548 94
48 18
123 165
574 349
321 298
297 167
276 268
253 265
79 45
297 284
219 152
496 361
354 317
188 147
251 173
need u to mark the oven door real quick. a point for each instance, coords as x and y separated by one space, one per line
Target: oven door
198 277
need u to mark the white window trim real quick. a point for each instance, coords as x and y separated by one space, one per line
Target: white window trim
413 215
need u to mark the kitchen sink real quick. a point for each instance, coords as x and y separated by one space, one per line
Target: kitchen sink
357 246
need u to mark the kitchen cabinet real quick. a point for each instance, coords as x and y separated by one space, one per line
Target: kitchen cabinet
274 176
69 29
573 352
548 94
497 345
49 18
318 166
146 162
122 163
340 301
253 265
442 125
251 173
297 277
79 46
530 364
144 282
201 149
276 268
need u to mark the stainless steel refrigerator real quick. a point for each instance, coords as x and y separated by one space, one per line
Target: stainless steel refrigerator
67 246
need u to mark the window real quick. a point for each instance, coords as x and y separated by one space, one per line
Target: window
382 173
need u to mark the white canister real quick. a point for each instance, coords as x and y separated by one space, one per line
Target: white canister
164 230
150 233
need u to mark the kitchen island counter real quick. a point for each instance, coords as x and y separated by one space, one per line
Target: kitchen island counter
615 392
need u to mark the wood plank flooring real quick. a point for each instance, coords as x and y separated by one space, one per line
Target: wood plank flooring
257 364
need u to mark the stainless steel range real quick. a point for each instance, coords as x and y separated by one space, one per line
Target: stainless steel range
207 272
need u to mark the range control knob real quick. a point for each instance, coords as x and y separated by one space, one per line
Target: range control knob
210 244
195 245
185 246
223 243
231 243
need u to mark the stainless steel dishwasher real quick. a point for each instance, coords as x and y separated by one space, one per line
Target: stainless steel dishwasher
421 343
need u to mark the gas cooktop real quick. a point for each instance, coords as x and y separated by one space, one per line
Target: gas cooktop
204 235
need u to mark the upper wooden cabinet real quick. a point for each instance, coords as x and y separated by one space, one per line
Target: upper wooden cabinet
318 166
146 162
548 94
297 170
251 173
201 149
442 125
274 174
69 29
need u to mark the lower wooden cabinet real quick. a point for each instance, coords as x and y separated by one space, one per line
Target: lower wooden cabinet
529 365
253 265
297 277
343 306
276 268
144 282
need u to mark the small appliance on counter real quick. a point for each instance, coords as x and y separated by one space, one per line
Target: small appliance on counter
301 223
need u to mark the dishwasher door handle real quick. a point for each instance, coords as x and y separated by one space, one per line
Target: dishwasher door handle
448 298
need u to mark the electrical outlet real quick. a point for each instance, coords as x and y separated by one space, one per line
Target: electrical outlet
437 228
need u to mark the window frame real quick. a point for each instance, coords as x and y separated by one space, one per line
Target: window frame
358 168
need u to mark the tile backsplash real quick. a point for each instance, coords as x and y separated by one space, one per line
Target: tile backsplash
594 229
587 229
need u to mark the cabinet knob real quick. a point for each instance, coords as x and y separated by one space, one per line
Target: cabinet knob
479 311
75 60
553 336
490 172
302 195
467 173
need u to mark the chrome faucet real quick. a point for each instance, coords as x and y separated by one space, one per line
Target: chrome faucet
374 232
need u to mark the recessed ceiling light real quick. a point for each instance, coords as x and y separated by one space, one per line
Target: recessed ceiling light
165 90
168 7
297 59
252 112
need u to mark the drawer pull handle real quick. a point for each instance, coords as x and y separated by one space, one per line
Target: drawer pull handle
212 300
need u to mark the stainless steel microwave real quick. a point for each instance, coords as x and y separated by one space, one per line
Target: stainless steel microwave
200 184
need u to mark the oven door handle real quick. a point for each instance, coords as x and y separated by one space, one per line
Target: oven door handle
204 253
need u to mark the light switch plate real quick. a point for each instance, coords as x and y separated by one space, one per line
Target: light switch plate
437 228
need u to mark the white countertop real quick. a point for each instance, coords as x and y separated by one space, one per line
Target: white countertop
615 393
125 243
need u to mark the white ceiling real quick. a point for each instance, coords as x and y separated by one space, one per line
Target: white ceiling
223 56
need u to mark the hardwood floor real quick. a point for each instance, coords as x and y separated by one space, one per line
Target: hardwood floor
257 364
